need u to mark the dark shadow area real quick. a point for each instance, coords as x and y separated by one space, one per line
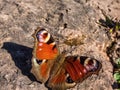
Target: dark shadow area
108 22
21 55
116 85
112 28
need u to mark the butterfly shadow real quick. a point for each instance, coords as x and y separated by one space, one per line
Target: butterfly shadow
21 55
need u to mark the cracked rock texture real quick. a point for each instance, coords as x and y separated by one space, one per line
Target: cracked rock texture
65 20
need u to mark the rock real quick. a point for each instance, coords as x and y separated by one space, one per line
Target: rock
19 19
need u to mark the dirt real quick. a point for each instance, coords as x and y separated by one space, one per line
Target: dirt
74 20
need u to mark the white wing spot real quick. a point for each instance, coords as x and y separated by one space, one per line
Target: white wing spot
40 44
40 49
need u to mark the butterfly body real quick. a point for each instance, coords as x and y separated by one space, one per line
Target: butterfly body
58 70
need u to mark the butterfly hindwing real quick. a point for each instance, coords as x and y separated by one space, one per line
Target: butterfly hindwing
44 54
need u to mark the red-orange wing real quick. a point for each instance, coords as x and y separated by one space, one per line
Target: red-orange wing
74 69
44 54
45 46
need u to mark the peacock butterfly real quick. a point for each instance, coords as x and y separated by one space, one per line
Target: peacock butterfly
57 70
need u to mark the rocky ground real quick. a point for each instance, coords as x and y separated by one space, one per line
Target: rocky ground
67 21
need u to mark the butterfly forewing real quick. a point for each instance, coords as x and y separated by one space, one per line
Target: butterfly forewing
73 70
44 54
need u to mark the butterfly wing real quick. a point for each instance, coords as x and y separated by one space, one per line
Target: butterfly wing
58 75
81 67
74 69
44 54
